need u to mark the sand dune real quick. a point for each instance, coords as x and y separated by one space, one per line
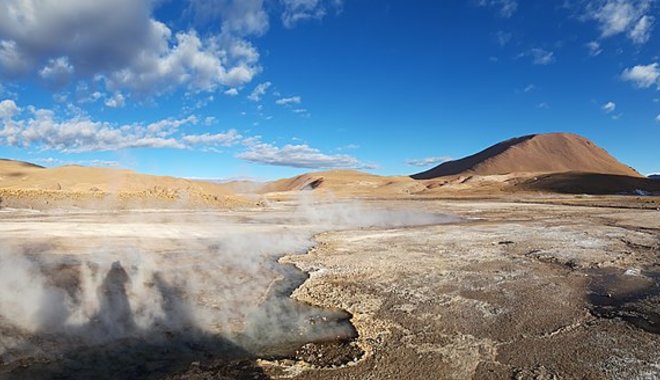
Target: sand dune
542 153
24 184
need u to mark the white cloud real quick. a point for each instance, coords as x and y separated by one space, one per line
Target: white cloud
94 96
540 56
60 162
8 109
294 11
242 17
428 161
506 8
99 34
609 107
643 76
259 91
297 156
12 61
42 130
622 16
641 33
120 42
502 37
231 92
116 101
58 71
191 63
291 100
594 48
229 138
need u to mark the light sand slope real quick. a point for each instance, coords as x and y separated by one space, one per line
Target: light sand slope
27 185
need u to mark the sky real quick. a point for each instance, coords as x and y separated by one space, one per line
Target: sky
265 89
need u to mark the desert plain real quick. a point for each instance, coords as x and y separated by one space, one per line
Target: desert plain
542 274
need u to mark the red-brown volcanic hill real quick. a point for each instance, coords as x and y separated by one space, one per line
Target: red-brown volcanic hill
542 153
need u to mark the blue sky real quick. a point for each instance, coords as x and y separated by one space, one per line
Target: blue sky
267 89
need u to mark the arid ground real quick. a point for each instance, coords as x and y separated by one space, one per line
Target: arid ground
396 289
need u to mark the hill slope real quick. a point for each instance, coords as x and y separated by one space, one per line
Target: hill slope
542 153
346 183
27 185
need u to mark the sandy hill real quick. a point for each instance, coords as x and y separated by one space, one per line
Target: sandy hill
346 183
27 185
542 153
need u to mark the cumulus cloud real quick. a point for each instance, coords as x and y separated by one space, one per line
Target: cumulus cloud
122 43
115 101
429 161
297 156
643 76
12 61
505 8
191 63
42 129
8 109
609 107
622 16
295 11
259 91
82 98
58 71
231 92
291 100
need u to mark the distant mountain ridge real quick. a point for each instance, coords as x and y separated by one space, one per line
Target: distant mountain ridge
539 153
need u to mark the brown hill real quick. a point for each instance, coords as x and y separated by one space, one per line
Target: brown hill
346 183
27 185
542 153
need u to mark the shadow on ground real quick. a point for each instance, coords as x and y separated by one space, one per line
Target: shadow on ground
112 346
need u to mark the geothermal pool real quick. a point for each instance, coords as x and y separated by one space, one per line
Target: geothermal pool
137 293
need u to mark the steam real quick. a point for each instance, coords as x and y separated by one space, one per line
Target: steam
169 279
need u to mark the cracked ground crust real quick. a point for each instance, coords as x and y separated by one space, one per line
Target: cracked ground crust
503 295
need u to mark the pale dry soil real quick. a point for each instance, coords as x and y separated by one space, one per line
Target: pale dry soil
518 291
512 291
